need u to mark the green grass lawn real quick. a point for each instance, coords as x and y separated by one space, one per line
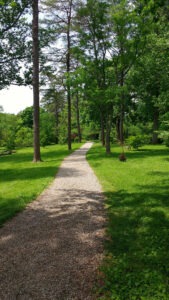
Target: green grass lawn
137 193
21 180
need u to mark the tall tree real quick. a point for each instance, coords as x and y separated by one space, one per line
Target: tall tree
127 38
59 17
76 90
94 40
150 74
15 36
68 61
35 36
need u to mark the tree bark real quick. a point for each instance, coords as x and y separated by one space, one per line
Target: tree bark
118 129
108 130
56 122
35 53
155 126
102 128
78 118
121 127
68 77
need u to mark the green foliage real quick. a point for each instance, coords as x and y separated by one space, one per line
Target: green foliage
10 141
137 258
137 141
164 130
26 117
165 137
24 137
47 128
90 131
8 128
15 38
62 128
134 130
119 63
24 133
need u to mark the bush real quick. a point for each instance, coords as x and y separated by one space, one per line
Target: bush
136 142
76 139
134 130
24 137
164 135
164 132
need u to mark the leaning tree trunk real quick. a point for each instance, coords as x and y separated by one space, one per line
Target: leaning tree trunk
35 37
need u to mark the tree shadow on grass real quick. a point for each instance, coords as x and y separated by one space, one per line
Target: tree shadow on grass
138 261
27 173
142 153
131 154
46 154
16 174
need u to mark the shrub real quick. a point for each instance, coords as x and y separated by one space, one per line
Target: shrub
76 139
24 137
164 135
164 132
136 142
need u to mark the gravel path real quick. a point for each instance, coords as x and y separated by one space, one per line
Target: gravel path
53 248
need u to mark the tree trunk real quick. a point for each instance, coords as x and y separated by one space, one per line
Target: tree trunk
68 78
69 116
118 128
35 53
155 126
121 129
102 128
108 130
56 123
78 117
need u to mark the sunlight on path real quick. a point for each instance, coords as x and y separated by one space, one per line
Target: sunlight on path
53 249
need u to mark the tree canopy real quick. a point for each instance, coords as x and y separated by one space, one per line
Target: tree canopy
102 62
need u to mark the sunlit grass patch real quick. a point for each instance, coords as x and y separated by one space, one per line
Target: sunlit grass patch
21 180
137 193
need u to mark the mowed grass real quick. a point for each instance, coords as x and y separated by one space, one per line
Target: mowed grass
137 192
21 180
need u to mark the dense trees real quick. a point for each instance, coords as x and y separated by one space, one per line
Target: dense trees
106 64
59 17
17 130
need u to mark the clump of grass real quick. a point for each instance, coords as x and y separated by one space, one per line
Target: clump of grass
137 263
21 180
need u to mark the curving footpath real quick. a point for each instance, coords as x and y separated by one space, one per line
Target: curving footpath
52 249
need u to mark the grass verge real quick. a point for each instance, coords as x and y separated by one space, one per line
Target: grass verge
21 180
136 266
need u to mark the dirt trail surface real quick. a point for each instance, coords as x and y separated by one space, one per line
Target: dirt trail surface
52 249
